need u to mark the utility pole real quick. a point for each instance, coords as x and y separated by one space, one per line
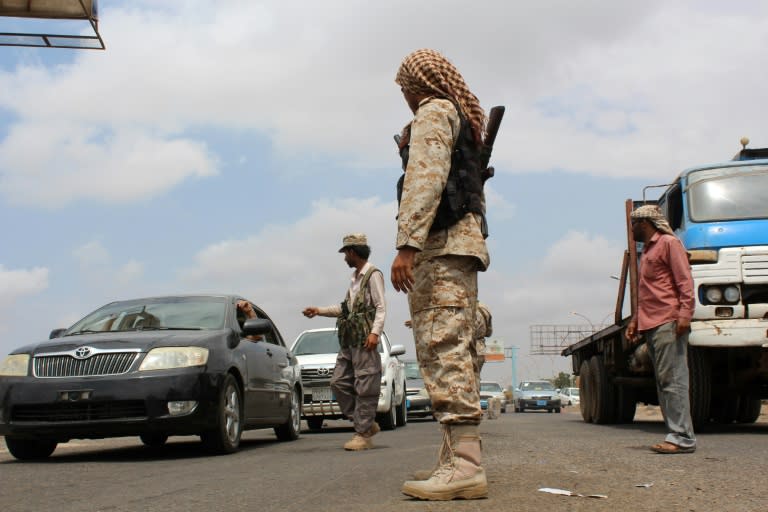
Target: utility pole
511 354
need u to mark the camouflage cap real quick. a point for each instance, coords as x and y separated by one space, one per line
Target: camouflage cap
353 239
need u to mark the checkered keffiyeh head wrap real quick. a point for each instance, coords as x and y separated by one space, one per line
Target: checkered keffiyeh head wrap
653 213
429 73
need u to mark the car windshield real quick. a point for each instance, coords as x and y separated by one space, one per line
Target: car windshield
574 391
729 193
412 370
537 386
193 313
490 386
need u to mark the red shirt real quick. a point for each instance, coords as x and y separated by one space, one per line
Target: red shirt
665 288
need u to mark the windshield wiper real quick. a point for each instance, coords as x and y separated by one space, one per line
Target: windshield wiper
167 329
81 331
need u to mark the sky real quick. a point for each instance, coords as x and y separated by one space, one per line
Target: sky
228 147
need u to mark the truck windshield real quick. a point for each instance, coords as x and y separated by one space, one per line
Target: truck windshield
729 193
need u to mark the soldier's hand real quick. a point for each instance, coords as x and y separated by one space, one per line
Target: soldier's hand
402 270
310 312
371 341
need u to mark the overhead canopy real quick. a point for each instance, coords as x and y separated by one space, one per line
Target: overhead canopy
83 10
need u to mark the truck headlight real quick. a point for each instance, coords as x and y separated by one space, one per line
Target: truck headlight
714 294
16 365
731 294
164 358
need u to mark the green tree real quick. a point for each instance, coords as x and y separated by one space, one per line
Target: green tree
563 380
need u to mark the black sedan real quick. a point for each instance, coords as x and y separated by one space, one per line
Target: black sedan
155 367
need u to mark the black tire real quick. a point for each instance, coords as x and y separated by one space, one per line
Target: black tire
749 409
626 404
604 405
725 409
153 439
225 437
700 382
401 414
388 420
291 429
585 391
557 410
30 449
315 422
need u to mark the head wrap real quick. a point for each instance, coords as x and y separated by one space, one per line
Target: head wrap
653 214
428 72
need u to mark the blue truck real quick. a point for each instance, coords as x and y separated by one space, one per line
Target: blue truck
720 213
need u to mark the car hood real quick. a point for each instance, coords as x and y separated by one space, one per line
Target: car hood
311 359
414 383
143 340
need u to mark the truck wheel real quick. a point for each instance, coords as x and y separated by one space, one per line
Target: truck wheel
700 382
724 409
315 422
749 409
585 391
604 405
626 404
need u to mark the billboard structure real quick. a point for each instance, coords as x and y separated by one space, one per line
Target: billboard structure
551 339
53 10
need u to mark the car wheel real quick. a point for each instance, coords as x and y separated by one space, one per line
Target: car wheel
153 440
30 449
388 420
315 422
289 431
402 413
225 437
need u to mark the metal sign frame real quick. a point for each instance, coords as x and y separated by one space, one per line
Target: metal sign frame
37 40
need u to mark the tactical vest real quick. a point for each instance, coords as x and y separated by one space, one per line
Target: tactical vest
463 192
354 324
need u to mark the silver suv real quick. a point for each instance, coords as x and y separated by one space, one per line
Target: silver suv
316 352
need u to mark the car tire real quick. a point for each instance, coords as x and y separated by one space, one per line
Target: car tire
402 413
388 420
30 449
290 430
153 439
225 436
315 423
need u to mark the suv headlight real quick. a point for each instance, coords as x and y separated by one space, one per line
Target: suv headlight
16 365
164 358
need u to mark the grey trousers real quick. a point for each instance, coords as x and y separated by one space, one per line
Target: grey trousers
356 382
670 362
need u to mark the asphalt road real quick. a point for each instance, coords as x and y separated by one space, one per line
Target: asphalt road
523 453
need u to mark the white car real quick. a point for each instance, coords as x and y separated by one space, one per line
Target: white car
316 352
569 396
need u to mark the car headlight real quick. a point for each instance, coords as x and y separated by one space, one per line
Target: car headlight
714 294
731 294
16 365
164 358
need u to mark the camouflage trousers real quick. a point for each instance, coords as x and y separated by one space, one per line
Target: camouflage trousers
443 303
356 382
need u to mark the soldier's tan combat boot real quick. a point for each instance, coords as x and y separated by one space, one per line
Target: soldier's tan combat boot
443 457
461 477
362 441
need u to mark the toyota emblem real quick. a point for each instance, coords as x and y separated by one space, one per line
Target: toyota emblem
323 371
82 352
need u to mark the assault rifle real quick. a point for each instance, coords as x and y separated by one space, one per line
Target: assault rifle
492 129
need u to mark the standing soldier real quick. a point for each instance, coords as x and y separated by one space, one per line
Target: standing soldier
356 379
439 252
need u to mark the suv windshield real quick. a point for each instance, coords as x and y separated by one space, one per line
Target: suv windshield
158 313
490 386
729 193
537 386
319 342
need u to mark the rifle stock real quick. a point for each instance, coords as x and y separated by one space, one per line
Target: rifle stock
492 129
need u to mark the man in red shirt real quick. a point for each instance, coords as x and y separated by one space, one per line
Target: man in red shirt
665 303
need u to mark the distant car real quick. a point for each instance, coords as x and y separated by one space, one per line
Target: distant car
537 395
417 399
569 396
153 368
316 351
492 390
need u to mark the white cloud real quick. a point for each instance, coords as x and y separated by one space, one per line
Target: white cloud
91 254
18 283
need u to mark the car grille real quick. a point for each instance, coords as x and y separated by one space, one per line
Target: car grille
316 374
112 363
79 411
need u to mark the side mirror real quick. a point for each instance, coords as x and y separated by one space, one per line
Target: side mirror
56 333
397 350
257 326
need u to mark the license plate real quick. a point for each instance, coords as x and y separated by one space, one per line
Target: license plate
541 403
322 394
407 404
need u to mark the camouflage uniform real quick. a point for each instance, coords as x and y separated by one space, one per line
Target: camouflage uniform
483 329
444 297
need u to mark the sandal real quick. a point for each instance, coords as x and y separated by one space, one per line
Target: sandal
667 448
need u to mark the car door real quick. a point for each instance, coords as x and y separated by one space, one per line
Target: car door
281 368
259 397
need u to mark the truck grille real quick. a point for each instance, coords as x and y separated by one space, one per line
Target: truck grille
111 363
316 374
755 267
79 411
